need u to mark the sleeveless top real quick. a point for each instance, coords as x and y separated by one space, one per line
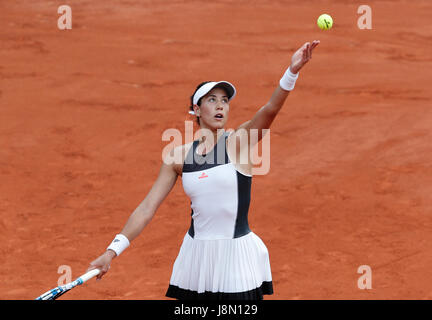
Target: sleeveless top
219 194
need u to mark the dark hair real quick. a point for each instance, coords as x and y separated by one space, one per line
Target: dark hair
199 101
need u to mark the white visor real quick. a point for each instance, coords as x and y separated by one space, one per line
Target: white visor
201 92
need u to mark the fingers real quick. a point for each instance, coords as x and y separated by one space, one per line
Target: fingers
101 264
306 52
91 267
303 55
312 46
104 270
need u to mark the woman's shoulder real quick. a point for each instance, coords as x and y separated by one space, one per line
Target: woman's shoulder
184 148
177 156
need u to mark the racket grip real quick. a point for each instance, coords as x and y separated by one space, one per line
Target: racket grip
88 275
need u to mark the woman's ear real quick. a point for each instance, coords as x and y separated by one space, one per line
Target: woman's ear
197 110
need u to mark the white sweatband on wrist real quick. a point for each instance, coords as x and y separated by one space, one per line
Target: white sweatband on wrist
288 80
119 244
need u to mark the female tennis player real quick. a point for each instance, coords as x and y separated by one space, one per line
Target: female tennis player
220 257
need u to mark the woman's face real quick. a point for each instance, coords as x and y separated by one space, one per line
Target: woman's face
214 109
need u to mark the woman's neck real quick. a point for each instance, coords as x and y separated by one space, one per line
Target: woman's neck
210 137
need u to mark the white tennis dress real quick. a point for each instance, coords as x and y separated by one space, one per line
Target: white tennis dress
220 257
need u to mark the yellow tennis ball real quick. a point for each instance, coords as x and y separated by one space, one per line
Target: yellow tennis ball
325 22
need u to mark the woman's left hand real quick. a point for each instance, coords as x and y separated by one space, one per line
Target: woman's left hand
302 56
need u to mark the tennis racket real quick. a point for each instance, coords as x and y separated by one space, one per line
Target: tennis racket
57 292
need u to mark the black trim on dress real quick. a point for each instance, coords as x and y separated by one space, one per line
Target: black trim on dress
244 196
254 294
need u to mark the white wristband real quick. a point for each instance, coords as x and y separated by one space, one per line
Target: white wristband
288 80
119 244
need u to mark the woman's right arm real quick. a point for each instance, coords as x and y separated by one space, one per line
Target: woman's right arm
142 214
147 208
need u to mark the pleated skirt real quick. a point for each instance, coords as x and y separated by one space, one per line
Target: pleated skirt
222 269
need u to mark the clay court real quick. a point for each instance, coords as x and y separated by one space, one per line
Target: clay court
82 113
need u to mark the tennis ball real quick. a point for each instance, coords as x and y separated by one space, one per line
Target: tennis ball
325 22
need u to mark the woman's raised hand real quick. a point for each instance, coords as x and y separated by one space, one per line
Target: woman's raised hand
302 56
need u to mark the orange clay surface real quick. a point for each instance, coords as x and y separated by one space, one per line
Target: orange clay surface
82 113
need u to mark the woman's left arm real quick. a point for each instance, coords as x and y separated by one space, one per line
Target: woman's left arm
266 114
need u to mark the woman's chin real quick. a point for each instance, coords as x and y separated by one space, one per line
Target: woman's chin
220 125
214 125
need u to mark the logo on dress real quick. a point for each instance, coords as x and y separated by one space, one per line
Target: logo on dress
203 175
